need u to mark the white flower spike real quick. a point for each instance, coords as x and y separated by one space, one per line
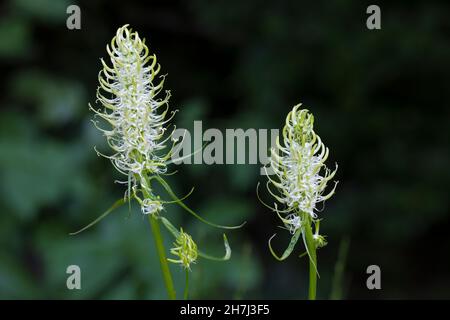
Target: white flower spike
300 176
129 92
301 179
300 165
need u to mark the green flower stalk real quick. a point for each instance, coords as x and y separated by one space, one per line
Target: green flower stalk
299 185
137 112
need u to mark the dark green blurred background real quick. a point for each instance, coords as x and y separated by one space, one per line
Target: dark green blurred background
381 104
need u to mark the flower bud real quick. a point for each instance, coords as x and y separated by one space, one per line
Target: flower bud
185 249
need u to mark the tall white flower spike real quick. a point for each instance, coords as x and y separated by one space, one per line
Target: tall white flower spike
129 91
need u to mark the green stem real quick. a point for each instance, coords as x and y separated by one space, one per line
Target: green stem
156 231
312 262
186 287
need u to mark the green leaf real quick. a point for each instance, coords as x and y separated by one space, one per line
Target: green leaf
224 258
289 249
181 204
116 205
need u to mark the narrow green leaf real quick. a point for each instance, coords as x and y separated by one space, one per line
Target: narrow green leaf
224 258
289 249
116 205
181 204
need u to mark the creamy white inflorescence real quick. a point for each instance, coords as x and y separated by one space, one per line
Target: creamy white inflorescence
301 175
129 94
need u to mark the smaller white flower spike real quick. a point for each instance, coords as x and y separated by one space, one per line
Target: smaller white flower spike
299 165
301 179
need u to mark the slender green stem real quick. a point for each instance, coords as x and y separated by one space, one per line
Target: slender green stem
186 287
156 231
312 262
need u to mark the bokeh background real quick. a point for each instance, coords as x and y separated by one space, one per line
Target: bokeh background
381 104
